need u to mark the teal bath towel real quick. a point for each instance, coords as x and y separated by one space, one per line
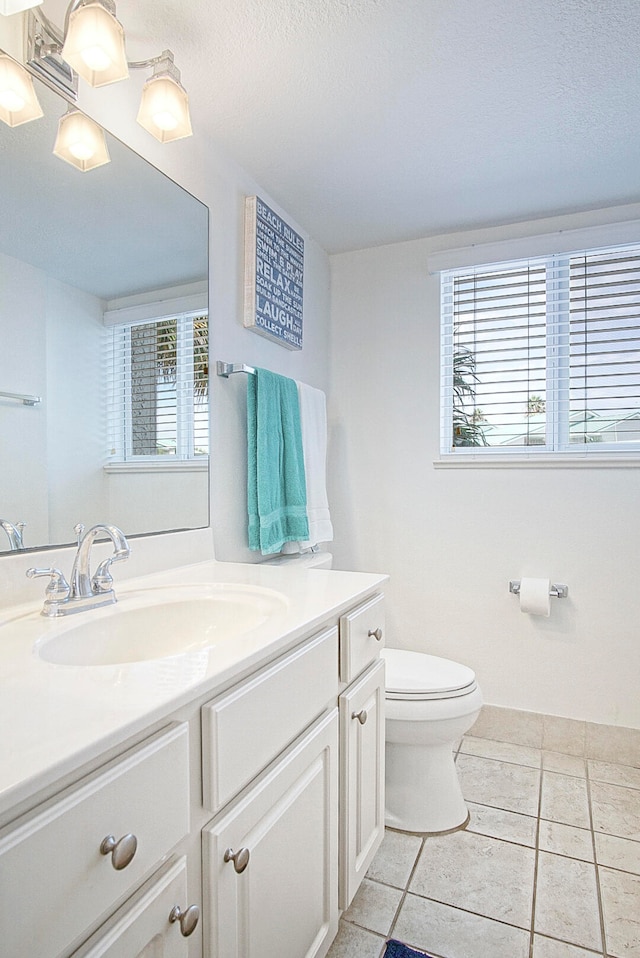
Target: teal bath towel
276 487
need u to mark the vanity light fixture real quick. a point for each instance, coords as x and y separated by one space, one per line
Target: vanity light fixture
94 42
81 141
164 106
9 7
18 100
92 45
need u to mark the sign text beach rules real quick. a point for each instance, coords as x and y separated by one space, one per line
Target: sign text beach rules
274 272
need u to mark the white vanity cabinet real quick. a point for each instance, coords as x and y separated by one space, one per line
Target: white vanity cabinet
256 807
361 742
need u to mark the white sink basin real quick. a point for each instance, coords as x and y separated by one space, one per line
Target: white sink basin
156 623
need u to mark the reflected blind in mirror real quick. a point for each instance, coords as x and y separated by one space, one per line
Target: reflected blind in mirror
158 402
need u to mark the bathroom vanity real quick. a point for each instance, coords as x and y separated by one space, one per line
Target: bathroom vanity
220 801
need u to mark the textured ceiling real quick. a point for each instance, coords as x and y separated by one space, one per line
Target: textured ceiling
373 121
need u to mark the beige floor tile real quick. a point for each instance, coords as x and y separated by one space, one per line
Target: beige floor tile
618 853
498 823
354 942
616 810
374 906
441 930
621 908
480 874
395 858
567 901
564 799
614 774
501 751
566 840
487 782
552 948
565 764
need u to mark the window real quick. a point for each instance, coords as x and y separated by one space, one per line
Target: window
543 355
159 374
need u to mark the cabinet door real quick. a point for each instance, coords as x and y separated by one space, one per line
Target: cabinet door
142 928
362 778
284 900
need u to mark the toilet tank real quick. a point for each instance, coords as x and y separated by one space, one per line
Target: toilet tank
303 560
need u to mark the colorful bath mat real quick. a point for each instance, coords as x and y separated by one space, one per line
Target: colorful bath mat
395 949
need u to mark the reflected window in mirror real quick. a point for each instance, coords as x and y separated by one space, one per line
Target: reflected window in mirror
159 389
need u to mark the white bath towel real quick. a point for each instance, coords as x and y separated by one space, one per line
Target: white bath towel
313 422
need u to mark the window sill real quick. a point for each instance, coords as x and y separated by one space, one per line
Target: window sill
158 465
538 462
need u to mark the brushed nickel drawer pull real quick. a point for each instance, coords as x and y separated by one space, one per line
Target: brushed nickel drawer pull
240 858
188 919
361 716
375 634
121 851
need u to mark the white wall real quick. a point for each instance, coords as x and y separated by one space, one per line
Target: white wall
23 364
75 410
45 325
452 539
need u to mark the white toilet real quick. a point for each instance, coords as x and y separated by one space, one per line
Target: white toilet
430 703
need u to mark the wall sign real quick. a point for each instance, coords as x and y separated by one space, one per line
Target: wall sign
274 272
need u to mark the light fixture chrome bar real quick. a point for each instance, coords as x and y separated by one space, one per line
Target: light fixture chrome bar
556 590
21 397
227 369
42 56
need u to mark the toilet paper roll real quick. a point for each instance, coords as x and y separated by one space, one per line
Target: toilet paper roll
534 596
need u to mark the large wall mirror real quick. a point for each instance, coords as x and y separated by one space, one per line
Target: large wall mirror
89 261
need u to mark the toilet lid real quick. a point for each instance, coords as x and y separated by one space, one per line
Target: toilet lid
414 675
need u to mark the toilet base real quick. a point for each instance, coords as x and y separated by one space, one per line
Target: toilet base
423 792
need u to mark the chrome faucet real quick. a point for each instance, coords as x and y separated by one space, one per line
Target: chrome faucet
14 533
85 591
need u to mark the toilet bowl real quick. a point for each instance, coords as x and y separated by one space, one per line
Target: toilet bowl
430 703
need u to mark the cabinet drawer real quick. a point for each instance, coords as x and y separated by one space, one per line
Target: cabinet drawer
54 882
246 728
142 927
359 642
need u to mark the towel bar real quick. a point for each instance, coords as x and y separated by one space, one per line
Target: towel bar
20 397
226 369
555 590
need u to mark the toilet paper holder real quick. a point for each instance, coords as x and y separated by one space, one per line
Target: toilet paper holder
556 590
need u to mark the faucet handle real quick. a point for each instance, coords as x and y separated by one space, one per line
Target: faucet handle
78 529
58 587
102 580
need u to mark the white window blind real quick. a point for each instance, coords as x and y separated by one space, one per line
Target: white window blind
543 355
158 389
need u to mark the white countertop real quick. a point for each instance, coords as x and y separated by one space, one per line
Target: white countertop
55 718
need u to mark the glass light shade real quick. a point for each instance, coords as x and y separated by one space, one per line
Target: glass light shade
164 109
18 100
8 7
94 45
81 142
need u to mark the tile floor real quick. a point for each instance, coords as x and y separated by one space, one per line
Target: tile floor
548 867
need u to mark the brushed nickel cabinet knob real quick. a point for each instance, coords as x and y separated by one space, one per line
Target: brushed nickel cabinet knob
240 858
188 919
375 634
121 851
